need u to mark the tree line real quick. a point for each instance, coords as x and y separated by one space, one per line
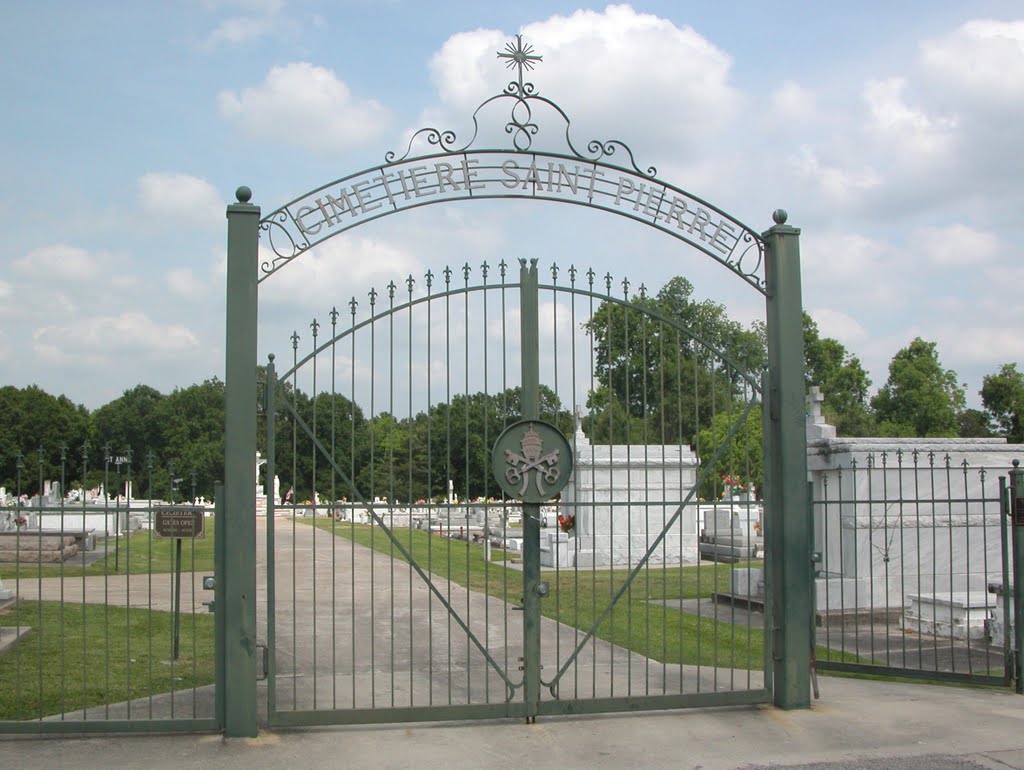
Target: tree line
667 369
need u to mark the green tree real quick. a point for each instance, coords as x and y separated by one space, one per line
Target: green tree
665 364
920 398
974 423
129 427
843 381
32 420
191 422
742 459
1002 395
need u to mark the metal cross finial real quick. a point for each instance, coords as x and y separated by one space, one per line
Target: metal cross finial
519 56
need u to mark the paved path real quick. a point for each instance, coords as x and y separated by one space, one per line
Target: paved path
357 629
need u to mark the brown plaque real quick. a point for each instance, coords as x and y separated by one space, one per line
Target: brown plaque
183 521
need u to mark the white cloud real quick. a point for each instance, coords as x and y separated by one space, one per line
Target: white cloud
332 272
791 102
181 199
305 105
838 325
6 290
840 184
605 68
183 283
261 16
956 246
100 339
894 122
983 59
63 263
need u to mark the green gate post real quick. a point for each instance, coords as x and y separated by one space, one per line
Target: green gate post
1017 529
239 543
530 351
790 544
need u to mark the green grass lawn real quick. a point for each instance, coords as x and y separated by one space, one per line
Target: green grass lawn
137 553
579 597
79 656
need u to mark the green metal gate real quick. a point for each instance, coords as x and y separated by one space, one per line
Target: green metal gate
103 623
403 585
612 631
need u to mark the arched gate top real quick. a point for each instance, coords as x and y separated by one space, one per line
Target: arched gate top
436 168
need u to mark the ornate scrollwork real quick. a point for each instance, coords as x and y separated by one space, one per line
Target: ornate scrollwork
280 241
445 140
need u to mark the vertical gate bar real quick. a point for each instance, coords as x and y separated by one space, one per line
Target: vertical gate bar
1004 523
239 607
967 556
1017 510
529 345
219 689
430 496
270 416
334 510
575 453
768 531
984 547
504 411
629 487
611 486
63 678
295 498
663 440
219 696
352 491
411 497
391 471
593 507
903 550
372 496
887 544
466 471
39 585
448 462
949 516
696 427
871 560
313 393
486 489
917 528
786 371
700 570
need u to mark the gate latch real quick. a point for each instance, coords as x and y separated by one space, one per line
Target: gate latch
209 583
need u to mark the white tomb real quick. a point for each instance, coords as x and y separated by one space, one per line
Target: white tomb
907 526
623 497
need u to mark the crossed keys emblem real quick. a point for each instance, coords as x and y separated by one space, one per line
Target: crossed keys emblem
544 466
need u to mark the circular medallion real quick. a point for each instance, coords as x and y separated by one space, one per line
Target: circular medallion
531 461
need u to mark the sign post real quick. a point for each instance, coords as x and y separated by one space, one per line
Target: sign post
179 522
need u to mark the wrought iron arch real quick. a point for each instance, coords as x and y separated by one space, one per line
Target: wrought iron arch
437 168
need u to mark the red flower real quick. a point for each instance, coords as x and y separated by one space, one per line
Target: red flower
567 523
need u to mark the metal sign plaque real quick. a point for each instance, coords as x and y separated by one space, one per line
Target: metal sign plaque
531 461
181 521
1018 511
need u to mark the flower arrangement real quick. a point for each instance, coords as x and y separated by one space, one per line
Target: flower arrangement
567 523
20 521
732 485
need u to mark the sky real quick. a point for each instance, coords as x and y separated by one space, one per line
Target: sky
890 132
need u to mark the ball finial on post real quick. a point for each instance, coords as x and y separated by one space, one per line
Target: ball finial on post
243 194
780 216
